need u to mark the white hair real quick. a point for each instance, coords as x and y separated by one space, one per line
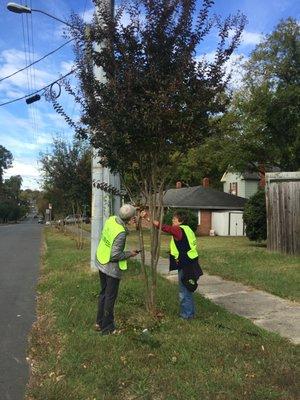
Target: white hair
126 212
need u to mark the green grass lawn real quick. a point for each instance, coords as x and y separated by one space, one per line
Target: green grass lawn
217 356
238 259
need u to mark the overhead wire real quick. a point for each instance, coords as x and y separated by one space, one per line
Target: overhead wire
74 106
32 67
40 90
36 61
27 60
32 106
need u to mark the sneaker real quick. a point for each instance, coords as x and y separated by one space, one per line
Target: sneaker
97 328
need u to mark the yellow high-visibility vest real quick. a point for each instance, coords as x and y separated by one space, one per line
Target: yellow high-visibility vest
192 253
110 231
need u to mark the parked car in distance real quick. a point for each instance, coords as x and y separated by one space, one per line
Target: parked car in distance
40 220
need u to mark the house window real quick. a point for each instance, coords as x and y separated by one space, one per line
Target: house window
233 188
199 217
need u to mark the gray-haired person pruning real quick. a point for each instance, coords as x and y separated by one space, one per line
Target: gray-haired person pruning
111 260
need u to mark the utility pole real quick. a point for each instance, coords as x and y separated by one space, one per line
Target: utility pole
102 204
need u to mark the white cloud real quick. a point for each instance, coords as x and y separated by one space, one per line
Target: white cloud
12 60
88 15
24 169
12 143
29 172
251 38
233 66
66 66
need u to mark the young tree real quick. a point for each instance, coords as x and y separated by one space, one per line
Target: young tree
157 100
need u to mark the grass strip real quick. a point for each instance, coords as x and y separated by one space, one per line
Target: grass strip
216 356
238 259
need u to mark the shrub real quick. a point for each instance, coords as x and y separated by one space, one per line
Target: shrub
255 217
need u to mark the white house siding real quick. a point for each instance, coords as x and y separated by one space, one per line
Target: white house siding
251 188
241 188
230 177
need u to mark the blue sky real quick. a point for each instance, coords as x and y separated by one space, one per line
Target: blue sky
28 130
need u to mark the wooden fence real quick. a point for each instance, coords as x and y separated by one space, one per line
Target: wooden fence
283 212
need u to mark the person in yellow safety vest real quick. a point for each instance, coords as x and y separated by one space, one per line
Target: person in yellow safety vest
184 258
111 260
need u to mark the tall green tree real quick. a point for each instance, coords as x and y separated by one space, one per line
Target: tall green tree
263 123
6 159
12 187
67 176
11 207
156 103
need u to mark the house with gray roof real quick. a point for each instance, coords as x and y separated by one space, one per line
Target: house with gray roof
218 213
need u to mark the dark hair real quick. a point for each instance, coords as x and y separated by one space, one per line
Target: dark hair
182 216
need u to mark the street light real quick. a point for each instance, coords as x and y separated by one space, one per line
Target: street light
19 9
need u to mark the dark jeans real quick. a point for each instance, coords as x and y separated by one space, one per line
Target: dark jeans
107 298
186 299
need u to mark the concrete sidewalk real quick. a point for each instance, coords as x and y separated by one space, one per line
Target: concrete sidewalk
264 309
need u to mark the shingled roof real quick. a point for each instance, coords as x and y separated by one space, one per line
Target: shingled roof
198 197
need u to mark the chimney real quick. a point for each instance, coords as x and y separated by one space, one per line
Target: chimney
205 182
178 185
262 176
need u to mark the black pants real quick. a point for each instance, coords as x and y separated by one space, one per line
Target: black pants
106 303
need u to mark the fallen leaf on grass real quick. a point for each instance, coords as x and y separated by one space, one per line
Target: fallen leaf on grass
59 378
123 359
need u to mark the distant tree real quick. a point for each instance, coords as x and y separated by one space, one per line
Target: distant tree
255 217
262 125
157 100
42 203
198 163
12 187
11 207
6 159
67 177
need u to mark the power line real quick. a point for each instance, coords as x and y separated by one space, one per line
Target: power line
40 90
35 62
34 108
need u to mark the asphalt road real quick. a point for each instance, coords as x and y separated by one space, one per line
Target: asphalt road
19 266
